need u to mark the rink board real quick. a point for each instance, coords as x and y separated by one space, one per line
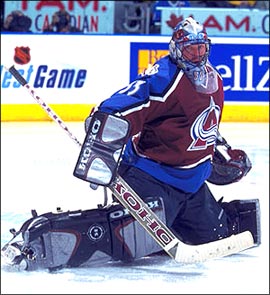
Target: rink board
78 112
72 84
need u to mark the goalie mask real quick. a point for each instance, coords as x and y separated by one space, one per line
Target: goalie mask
189 49
189 46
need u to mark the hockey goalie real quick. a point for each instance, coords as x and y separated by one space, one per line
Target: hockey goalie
160 134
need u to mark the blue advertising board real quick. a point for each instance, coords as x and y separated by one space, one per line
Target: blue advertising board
244 67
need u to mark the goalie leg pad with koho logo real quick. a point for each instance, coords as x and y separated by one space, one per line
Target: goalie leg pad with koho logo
81 238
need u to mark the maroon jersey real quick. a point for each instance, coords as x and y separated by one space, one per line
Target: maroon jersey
174 123
171 121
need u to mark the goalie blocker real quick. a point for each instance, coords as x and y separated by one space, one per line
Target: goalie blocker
102 148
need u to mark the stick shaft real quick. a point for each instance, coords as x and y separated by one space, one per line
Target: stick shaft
45 107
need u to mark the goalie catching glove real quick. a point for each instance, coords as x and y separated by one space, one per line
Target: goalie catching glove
228 165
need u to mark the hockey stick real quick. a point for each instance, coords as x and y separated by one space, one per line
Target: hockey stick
51 113
175 248
46 108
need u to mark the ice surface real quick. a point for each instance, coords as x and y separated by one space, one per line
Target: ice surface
37 163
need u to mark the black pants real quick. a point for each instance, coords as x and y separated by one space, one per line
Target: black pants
195 218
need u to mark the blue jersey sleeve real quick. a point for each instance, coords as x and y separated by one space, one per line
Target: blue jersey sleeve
153 83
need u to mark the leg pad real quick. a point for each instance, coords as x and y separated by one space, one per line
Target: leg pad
244 215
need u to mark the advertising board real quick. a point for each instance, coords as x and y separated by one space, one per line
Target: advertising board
219 22
244 67
95 17
74 73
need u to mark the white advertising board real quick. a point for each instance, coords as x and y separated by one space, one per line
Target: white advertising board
75 72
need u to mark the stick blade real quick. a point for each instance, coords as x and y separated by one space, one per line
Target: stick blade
217 249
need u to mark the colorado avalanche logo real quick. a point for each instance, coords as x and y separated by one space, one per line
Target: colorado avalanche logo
204 130
22 55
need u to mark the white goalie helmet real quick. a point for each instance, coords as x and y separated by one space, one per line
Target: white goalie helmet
190 45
